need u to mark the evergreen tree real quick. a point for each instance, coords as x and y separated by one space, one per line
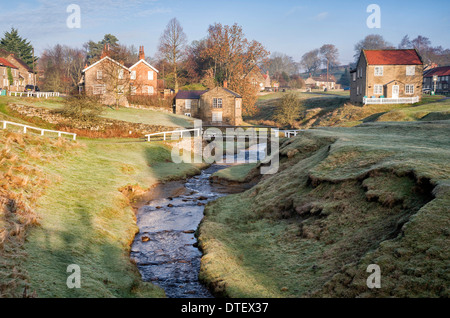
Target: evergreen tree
22 48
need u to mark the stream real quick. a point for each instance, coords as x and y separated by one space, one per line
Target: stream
165 249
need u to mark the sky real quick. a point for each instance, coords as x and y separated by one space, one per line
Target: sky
293 27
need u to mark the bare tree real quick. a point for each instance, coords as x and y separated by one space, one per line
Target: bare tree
329 55
172 45
371 42
116 82
311 61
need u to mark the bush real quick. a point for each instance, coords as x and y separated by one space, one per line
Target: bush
82 107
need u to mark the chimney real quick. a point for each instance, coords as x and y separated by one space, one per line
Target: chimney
225 84
105 51
141 53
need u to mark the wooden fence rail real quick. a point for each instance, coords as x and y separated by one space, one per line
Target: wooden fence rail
165 133
34 94
42 131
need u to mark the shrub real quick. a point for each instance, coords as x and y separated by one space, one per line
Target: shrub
82 107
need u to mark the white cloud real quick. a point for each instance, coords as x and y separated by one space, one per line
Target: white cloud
321 16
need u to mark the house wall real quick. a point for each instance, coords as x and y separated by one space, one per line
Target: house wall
142 82
22 70
180 107
230 115
357 95
4 81
110 97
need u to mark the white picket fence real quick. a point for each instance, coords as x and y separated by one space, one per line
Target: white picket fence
180 132
381 101
42 131
34 94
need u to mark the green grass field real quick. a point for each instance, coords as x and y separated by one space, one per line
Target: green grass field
344 198
77 194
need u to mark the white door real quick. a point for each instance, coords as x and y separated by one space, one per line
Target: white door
395 91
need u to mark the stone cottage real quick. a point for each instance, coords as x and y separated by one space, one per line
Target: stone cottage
218 106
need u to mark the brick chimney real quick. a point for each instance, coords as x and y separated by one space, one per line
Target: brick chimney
105 51
141 53
225 84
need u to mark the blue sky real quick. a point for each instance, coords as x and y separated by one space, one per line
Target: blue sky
292 27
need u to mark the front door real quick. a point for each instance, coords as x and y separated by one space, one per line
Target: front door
395 91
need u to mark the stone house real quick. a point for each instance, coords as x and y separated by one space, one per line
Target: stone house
442 77
218 106
4 78
144 77
321 82
387 77
23 75
107 79
256 78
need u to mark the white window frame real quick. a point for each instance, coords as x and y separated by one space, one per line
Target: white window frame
120 89
357 90
121 74
133 75
217 103
410 70
354 77
150 75
378 89
99 89
99 74
187 104
217 117
150 90
409 89
378 71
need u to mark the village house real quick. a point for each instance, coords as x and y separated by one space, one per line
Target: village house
5 84
387 77
144 77
218 106
256 78
437 80
22 74
321 82
108 80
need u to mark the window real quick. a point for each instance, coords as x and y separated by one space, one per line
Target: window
99 75
409 89
378 90
150 90
217 102
133 75
357 90
98 89
217 117
187 104
133 90
410 70
120 89
120 74
150 75
354 77
378 71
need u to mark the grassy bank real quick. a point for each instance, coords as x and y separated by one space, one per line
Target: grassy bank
327 110
344 198
77 213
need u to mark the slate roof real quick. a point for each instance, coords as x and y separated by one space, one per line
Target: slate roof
189 94
439 71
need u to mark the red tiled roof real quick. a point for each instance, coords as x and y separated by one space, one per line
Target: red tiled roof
392 57
4 62
439 71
